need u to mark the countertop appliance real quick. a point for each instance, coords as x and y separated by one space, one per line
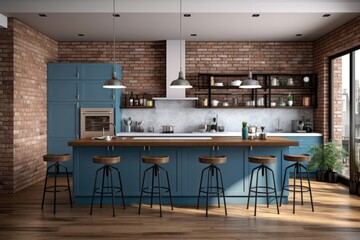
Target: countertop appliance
92 121
301 126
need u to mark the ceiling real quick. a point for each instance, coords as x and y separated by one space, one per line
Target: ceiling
211 20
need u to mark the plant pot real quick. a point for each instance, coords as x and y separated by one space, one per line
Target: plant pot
320 175
353 187
245 133
332 177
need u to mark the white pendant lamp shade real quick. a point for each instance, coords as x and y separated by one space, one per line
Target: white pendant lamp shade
250 82
180 82
113 83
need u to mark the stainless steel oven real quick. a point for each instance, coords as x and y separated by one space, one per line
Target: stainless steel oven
92 121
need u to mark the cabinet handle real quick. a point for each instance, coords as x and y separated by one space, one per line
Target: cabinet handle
78 96
251 148
77 105
77 136
218 148
213 148
146 148
107 148
77 75
113 96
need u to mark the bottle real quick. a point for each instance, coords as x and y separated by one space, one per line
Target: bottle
136 101
131 100
141 101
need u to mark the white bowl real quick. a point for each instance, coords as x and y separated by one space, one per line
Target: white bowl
219 84
273 104
214 103
236 83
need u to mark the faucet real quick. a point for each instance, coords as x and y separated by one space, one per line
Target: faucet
278 129
108 123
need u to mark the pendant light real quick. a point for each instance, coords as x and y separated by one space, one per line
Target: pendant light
180 82
250 82
113 83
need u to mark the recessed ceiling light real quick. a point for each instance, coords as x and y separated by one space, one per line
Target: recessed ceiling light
81 35
193 34
326 15
116 15
298 35
256 15
187 15
42 15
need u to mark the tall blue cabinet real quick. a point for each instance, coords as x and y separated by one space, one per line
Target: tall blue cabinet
70 87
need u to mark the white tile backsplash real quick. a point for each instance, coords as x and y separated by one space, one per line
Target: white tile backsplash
186 118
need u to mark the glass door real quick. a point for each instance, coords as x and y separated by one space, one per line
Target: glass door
356 73
341 105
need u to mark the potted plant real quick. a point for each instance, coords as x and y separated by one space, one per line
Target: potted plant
326 160
245 133
290 100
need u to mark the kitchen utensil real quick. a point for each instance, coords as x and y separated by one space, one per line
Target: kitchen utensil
108 138
262 135
236 83
168 129
214 102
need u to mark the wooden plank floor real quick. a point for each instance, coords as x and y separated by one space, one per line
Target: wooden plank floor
336 216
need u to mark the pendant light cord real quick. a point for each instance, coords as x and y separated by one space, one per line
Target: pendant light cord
114 34
180 38
249 36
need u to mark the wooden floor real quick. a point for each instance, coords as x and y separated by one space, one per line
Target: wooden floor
336 216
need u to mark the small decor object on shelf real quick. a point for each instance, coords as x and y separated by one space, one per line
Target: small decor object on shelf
306 80
290 100
245 131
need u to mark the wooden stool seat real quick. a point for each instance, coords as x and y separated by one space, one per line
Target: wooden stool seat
297 157
212 160
262 159
56 157
106 160
155 160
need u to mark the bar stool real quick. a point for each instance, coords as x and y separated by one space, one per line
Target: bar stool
107 170
264 171
212 170
298 159
56 159
155 169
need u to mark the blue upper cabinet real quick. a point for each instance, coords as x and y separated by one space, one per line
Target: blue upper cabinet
63 71
93 91
96 71
63 90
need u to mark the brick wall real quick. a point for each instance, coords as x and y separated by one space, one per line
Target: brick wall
337 41
144 63
31 53
337 101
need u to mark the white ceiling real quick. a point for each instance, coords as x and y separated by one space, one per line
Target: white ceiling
211 20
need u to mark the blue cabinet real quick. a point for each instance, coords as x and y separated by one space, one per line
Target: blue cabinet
71 86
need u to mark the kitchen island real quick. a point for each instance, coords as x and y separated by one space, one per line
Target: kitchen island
184 168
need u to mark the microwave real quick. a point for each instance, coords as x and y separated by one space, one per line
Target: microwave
93 120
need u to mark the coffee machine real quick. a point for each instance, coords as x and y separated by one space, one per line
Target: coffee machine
301 126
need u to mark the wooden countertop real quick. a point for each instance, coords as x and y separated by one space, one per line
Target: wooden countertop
214 141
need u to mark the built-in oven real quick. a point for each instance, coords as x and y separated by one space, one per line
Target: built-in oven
93 120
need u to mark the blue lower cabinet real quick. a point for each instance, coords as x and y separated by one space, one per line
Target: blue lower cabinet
190 176
129 168
183 168
85 169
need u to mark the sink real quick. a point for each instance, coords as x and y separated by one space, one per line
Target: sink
173 138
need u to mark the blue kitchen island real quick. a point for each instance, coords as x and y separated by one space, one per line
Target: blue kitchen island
184 168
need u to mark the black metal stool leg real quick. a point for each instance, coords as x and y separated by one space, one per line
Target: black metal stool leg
152 184
102 187
256 189
142 190
267 186
120 184
159 187
217 185
294 189
223 189
207 192
68 183
251 178
201 179
274 183
301 185
169 188
55 180
94 189
308 178
46 178
109 171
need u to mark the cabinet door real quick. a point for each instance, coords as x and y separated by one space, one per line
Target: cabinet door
60 90
60 146
191 169
94 91
97 71
63 71
173 167
234 170
130 169
63 119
